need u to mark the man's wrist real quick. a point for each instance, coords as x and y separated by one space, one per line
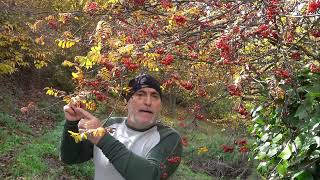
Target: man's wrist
72 123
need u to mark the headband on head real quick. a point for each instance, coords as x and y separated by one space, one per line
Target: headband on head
142 81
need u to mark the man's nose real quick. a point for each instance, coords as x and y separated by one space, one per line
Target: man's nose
148 100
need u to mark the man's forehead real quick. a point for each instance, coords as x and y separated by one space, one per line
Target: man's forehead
147 89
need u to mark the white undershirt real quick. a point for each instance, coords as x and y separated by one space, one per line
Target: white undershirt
139 143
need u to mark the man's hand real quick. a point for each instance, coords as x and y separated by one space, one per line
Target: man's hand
70 113
87 122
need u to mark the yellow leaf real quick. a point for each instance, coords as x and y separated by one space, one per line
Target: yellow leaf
63 44
99 132
283 19
84 135
60 43
67 63
68 35
202 150
76 136
126 49
40 64
49 91
67 99
148 46
40 40
96 48
113 1
91 105
299 29
68 44
104 73
74 75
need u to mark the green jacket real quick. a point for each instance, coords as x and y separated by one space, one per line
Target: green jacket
127 153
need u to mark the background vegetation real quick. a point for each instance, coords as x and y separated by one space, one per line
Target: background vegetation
225 66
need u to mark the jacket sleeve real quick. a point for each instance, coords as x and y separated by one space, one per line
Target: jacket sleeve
72 152
160 162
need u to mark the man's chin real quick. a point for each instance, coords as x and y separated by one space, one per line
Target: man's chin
146 120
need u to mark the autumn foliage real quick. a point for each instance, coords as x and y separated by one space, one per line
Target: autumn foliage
263 53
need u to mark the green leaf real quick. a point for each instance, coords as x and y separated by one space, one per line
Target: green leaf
298 142
286 153
314 128
302 175
317 139
273 150
277 138
265 137
256 111
262 167
301 112
282 168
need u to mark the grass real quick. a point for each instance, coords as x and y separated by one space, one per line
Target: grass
32 160
12 134
32 155
185 173
37 157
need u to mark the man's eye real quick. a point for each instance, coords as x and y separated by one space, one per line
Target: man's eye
155 96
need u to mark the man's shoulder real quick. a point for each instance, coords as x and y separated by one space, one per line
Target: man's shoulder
114 120
165 130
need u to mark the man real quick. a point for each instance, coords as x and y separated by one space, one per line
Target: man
141 148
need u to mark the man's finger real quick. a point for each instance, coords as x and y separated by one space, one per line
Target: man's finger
69 110
83 113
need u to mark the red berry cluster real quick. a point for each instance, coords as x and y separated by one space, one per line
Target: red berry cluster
91 8
99 95
282 73
265 32
315 33
129 65
234 90
109 65
223 45
93 84
243 145
139 2
187 85
272 9
180 20
227 148
242 110
160 50
202 92
313 6
168 83
196 107
199 117
196 110
166 4
151 31
174 159
193 55
314 68
167 60
53 24
295 55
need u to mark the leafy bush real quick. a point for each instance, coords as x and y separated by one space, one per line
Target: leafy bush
288 131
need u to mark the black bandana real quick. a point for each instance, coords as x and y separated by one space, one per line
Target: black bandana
142 81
